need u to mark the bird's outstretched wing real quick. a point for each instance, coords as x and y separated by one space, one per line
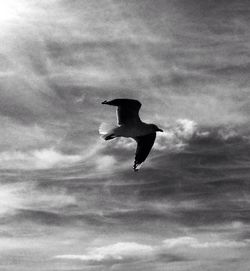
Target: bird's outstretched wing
144 145
127 111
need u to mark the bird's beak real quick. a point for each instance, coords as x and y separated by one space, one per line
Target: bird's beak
159 130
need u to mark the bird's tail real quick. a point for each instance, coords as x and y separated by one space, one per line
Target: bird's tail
105 128
106 131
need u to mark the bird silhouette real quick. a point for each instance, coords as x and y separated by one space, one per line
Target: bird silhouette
130 125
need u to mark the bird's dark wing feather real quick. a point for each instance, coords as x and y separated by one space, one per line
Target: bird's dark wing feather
144 145
127 111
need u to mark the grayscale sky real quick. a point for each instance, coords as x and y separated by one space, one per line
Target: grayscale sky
68 200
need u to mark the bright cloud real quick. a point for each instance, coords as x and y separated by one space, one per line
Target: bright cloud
195 243
105 162
131 251
14 197
36 159
12 10
176 136
117 252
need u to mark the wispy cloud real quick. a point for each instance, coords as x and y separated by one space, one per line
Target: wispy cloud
118 252
195 243
13 198
36 159
130 251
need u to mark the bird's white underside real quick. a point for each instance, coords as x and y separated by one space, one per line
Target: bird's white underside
132 130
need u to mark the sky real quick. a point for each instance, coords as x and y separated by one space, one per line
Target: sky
70 201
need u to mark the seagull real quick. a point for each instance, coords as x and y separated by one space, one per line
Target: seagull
130 125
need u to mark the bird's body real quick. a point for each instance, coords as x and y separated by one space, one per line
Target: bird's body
133 130
130 125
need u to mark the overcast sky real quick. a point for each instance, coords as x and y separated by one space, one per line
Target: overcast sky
68 200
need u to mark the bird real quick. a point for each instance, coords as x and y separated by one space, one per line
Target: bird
131 126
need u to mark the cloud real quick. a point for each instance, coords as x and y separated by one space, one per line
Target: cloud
14 199
186 132
36 159
15 136
167 251
8 199
195 243
104 162
118 252
176 136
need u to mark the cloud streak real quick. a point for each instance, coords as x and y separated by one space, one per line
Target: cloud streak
36 159
119 252
194 243
13 198
130 251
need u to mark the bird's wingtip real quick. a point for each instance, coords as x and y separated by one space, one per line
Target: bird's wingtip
136 166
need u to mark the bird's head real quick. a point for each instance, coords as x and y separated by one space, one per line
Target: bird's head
156 128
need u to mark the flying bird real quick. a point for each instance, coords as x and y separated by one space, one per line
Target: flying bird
130 125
